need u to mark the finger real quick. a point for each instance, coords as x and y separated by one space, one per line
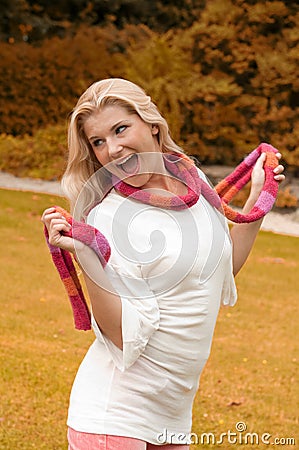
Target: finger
278 169
59 227
55 227
52 215
279 177
261 159
260 162
57 239
278 155
46 212
60 222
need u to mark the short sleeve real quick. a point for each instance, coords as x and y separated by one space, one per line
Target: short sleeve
229 290
140 319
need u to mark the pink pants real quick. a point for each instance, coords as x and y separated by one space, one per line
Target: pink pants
88 441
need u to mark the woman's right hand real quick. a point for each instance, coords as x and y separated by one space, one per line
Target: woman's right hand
55 224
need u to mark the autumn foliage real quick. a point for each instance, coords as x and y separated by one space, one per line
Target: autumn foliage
226 83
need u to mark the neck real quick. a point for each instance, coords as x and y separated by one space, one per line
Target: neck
181 185
162 179
166 182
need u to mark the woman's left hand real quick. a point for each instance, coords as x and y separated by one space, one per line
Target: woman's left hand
258 174
278 171
243 236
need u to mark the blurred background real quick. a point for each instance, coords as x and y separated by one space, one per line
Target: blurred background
223 72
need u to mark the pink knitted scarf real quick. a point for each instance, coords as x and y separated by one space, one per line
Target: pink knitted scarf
66 269
184 169
180 166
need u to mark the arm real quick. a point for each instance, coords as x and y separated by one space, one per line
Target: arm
106 305
243 235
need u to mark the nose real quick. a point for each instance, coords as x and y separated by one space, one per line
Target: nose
114 148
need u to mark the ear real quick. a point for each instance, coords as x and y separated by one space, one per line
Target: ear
155 129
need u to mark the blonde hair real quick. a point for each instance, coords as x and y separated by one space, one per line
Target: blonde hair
79 184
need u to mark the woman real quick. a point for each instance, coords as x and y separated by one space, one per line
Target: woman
172 264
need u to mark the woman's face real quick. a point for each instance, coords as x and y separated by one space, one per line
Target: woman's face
122 142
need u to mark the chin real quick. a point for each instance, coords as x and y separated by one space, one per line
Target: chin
137 180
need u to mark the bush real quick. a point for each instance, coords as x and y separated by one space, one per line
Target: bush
286 199
40 156
225 84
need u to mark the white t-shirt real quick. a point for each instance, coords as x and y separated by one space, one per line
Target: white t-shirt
172 270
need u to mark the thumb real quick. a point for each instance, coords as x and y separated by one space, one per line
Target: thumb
261 160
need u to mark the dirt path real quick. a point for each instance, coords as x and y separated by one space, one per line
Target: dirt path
276 222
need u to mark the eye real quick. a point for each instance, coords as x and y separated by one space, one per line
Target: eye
97 142
120 129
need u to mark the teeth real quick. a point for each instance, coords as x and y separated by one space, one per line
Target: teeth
124 160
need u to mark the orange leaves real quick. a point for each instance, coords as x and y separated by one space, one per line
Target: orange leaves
41 156
266 12
224 84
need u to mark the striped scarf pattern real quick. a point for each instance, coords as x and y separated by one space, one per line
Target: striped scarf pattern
183 168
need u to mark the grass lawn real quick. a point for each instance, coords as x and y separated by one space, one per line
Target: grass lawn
251 376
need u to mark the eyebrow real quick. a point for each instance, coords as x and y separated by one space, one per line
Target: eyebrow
111 129
116 125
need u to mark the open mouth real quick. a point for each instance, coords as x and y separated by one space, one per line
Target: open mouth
130 164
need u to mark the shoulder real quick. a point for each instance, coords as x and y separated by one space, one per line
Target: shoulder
203 176
106 208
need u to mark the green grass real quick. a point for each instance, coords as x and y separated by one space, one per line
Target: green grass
40 350
251 375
